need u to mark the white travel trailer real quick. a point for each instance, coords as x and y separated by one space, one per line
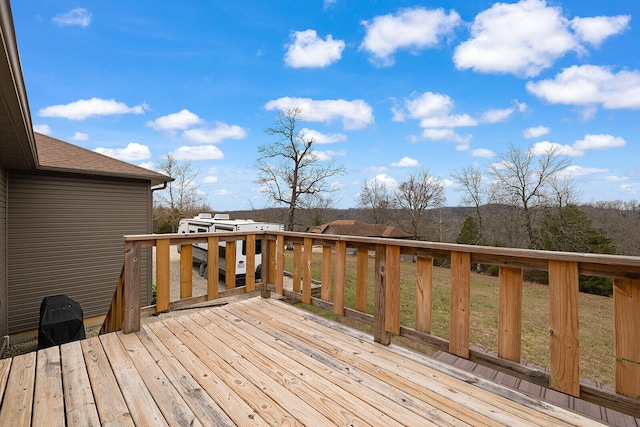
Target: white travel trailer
205 223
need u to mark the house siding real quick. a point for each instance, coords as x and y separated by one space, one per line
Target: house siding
3 252
65 237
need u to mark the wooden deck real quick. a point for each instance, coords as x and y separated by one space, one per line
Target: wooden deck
253 362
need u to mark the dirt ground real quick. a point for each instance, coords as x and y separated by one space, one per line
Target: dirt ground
199 287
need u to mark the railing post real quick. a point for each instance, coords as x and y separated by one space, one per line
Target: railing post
230 264
325 289
362 279
306 273
626 311
424 291
131 315
186 271
564 361
297 266
510 314
213 267
250 276
339 276
380 333
392 317
265 271
279 264
270 249
460 304
163 273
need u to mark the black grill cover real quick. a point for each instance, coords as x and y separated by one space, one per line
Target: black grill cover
60 321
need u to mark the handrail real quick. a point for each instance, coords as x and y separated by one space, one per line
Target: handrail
564 270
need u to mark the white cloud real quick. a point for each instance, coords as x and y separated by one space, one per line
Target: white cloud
576 171
522 38
535 132
355 114
180 120
214 135
85 108
445 135
323 138
595 30
78 16
321 156
433 110
222 192
497 115
374 169
148 165
588 85
428 104
412 29
456 120
308 50
527 37
483 152
385 179
405 162
599 142
328 154
328 3
79 136
200 152
210 179
44 129
544 146
132 152
590 142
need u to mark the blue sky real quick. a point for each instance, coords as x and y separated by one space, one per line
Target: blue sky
387 88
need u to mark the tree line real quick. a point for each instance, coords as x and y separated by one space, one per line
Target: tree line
523 199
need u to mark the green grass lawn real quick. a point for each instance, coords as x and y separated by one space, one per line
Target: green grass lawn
595 312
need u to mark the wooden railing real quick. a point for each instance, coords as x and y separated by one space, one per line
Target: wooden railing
564 270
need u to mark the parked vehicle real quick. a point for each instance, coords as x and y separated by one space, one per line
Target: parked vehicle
205 223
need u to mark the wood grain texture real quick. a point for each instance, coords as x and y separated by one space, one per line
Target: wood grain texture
626 309
48 401
306 270
279 265
362 279
339 277
564 360
213 267
380 333
186 271
510 313
230 265
297 266
163 274
424 292
392 315
250 277
460 304
131 296
325 288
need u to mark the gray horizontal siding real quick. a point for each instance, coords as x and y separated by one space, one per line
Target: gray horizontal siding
65 237
3 252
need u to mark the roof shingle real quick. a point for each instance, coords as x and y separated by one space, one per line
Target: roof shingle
57 155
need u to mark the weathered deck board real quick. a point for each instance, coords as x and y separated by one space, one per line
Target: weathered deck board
257 362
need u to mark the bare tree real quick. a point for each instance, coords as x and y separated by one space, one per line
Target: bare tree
378 200
417 194
182 197
469 180
288 169
525 179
